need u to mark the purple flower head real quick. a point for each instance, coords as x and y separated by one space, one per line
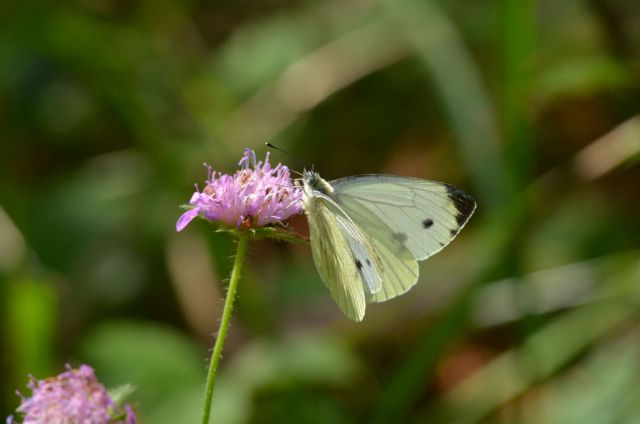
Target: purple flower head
75 396
254 196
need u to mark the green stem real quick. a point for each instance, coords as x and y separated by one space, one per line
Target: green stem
224 324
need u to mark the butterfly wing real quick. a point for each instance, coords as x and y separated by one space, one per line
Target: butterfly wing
345 259
405 219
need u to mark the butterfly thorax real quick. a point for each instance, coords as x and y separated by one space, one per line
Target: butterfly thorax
314 184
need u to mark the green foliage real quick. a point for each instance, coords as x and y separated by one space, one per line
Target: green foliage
110 108
164 366
31 308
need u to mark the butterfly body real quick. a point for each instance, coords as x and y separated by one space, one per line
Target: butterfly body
368 232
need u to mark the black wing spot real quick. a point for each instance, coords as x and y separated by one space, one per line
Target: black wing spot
401 237
358 264
453 232
464 204
368 262
427 223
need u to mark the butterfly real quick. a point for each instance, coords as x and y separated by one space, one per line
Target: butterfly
368 232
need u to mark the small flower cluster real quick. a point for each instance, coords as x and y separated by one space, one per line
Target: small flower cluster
75 396
254 196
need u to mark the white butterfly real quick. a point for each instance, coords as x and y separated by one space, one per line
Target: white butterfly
368 232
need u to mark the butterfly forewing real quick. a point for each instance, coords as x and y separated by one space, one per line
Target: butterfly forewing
406 219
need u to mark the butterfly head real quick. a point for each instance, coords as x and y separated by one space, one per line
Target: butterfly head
312 183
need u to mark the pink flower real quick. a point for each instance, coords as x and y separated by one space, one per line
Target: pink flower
75 396
254 196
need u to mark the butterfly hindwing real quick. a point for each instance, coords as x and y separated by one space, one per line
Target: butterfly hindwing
399 267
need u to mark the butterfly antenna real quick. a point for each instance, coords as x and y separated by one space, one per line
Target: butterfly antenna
268 144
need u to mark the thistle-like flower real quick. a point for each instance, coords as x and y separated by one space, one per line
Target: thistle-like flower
75 396
254 196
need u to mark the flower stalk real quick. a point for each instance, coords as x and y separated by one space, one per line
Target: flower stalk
243 239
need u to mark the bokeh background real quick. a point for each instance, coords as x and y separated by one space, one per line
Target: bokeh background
109 108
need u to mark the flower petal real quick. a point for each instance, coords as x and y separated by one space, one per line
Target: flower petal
130 417
186 218
255 195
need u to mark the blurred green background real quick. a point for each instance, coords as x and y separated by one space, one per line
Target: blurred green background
109 107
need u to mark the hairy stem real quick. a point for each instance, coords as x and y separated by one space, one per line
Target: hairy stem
224 324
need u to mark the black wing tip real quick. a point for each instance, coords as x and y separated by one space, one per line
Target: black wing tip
464 204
